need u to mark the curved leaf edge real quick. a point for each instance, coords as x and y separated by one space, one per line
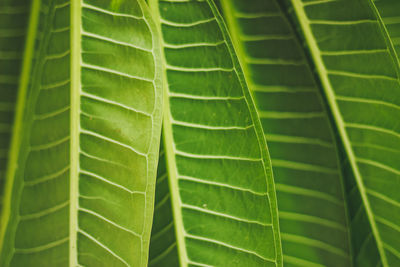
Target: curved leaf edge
169 150
227 8
259 132
335 112
16 136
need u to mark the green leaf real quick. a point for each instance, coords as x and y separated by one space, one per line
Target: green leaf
302 144
389 11
13 22
81 177
221 184
163 248
359 74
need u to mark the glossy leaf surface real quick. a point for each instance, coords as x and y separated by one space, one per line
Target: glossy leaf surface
221 186
88 138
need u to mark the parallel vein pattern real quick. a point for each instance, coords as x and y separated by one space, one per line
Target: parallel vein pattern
119 132
163 246
13 24
360 79
38 230
119 121
307 172
221 185
389 10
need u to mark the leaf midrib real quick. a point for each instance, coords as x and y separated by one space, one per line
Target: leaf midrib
321 70
241 54
75 91
170 153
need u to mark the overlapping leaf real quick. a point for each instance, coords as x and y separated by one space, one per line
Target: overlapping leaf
389 11
163 246
355 62
13 23
82 176
221 186
310 186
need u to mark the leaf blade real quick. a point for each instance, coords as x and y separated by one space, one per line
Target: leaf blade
182 150
354 128
104 146
296 124
14 18
163 247
389 15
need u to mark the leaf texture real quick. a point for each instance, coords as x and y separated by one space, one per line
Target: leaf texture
301 141
13 23
360 79
89 146
221 185
163 247
296 123
389 11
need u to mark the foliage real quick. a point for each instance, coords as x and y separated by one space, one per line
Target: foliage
280 140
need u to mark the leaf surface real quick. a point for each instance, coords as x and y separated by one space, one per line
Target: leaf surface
309 183
83 167
221 185
163 247
355 62
389 11
13 22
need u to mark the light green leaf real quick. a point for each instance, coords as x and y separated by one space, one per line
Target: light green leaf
81 177
13 22
221 185
359 74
